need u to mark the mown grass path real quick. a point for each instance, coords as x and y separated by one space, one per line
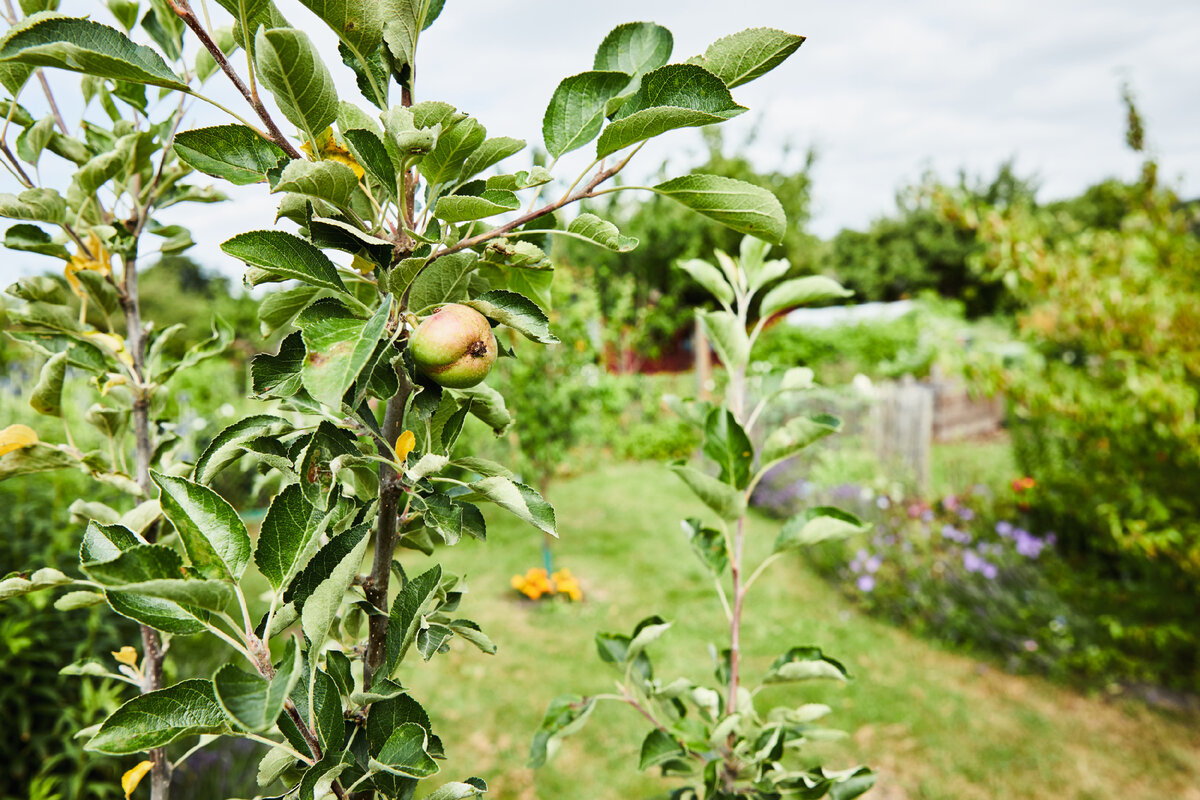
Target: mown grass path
936 724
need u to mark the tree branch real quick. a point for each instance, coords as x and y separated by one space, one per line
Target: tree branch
152 655
390 491
583 194
184 10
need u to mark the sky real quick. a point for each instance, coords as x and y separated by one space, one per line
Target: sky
883 92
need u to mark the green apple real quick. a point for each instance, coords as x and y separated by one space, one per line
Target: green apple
454 347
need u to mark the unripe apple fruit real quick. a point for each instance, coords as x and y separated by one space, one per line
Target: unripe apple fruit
455 347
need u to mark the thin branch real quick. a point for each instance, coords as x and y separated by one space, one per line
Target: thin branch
184 10
588 190
58 117
20 172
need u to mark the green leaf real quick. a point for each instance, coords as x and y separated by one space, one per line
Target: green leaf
284 536
517 312
465 629
804 663
634 48
520 180
443 281
158 718
321 607
80 45
658 748
371 154
709 277
39 457
456 790
742 206
819 524
519 499
407 614
722 498
727 335
282 256
491 152
443 165
291 69
322 564
213 535
567 714
727 444
742 57
533 283
801 291
853 785
45 578
330 181
392 713
488 406
155 570
46 397
228 445
33 140
107 542
32 239
279 375
358 23
34 205
602 232
670 97
276 762
327 232
465 208
404 752
576 111
709 546
797 434
339 347
252 702
278 309
233 152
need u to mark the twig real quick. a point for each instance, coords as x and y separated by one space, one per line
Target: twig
183 9
587 191
58 117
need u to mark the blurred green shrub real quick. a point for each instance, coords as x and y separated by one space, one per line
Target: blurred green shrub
40 708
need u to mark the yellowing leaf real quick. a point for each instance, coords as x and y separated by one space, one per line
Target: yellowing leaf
332 151
126 655
99 261
405 443
113 342
133 777
16 436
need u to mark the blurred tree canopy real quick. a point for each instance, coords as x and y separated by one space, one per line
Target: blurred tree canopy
919 249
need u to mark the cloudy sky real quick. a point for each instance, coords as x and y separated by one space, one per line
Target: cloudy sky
882 90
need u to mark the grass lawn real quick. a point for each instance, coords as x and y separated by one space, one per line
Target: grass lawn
935 724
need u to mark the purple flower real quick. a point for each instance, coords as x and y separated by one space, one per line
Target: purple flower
883 502
927 515
1050 538
873 564
1027 544
1004 528
955 535
973 562
865 583
950 502
966 514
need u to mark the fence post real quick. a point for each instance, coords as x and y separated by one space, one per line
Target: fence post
904 428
